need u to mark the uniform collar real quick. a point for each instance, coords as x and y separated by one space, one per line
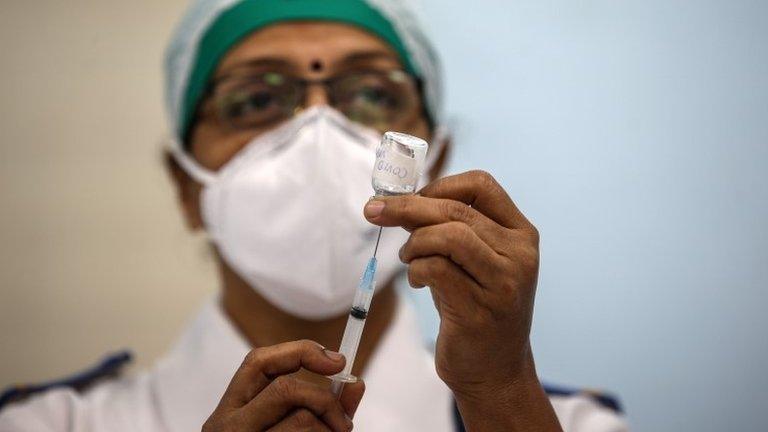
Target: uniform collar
403 391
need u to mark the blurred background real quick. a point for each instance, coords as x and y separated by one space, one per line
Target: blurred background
634 134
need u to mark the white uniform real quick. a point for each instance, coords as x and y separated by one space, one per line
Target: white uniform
403 392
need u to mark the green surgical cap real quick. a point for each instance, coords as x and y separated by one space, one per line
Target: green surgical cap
211 27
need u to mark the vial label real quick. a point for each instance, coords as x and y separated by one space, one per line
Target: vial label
394 168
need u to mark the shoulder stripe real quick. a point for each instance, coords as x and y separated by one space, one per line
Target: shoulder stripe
110 366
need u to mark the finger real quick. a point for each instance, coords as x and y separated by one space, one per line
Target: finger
300 420
261 365
286 394
457 242
452 287
351 397
414 211
481 191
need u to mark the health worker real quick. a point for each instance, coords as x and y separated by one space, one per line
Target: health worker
277 107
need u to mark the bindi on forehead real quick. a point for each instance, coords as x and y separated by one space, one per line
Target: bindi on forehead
316 65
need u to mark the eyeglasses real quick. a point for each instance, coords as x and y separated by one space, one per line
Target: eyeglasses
378 99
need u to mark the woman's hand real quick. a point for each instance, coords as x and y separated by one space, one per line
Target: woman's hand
479 256
262 396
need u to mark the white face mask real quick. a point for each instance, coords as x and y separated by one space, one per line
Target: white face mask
286 213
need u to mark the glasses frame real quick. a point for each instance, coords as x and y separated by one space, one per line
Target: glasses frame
209 105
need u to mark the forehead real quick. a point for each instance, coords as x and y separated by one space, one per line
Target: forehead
306 41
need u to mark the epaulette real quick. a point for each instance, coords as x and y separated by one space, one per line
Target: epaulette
605 399
109 367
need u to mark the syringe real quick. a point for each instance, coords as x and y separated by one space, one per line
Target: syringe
355 323
398 167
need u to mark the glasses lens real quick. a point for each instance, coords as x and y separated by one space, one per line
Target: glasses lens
376 99
254 102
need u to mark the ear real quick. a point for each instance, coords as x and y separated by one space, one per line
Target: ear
442 159
187 192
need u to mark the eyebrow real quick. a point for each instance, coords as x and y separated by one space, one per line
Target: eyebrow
274 62
362 56
278 62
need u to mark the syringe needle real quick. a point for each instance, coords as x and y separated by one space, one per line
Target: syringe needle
376 248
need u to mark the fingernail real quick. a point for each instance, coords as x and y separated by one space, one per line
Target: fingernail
333 355
373 208
350 425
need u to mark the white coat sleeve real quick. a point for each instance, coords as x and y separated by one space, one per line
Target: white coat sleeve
580 413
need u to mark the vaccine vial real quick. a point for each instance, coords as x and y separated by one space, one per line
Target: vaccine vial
399 164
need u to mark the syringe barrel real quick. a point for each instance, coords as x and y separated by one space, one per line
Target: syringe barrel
355 325
351 341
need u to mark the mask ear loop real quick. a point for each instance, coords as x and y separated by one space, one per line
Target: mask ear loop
194 170
188 163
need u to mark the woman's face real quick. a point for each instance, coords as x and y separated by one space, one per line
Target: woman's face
295 51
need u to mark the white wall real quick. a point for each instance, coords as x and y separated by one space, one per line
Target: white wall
93 254
633 133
